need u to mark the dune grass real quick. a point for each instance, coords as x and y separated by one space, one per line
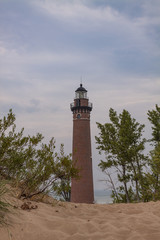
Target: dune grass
4 206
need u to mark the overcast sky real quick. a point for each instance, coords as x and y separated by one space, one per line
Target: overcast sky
47 46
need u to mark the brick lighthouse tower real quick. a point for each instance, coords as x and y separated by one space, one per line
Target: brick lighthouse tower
82 189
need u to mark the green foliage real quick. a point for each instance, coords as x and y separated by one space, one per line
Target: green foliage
34 166
36 174
12 146
154 118
123 145
121 140
65 170
121 196
153 176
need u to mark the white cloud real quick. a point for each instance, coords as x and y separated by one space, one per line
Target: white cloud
2 51
107 23
16 56
77 10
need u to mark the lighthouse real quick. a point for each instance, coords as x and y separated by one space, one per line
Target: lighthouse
82 188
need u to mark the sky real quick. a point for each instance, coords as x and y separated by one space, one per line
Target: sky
48 46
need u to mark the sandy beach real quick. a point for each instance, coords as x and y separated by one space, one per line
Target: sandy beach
69 221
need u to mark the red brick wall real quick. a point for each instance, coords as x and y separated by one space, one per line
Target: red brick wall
84 102
82 189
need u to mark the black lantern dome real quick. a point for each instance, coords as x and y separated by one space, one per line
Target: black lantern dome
81 89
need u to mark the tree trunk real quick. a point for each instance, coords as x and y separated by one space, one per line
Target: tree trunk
125 184
112 183
136 181
140 178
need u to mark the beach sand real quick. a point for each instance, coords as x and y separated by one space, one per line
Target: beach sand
69 221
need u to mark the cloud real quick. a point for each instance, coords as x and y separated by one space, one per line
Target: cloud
78 11
82 36
16 56
127 42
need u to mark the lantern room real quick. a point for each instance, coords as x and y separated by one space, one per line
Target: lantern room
81 92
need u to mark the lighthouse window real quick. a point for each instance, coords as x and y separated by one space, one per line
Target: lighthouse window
81 95
78 116
85 95
77 95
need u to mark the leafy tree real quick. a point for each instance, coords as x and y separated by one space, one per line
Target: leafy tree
65 170
154 118
20 160
12 146
37 172
153 177
34 166
123 145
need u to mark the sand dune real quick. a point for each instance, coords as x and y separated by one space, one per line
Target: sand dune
68 221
